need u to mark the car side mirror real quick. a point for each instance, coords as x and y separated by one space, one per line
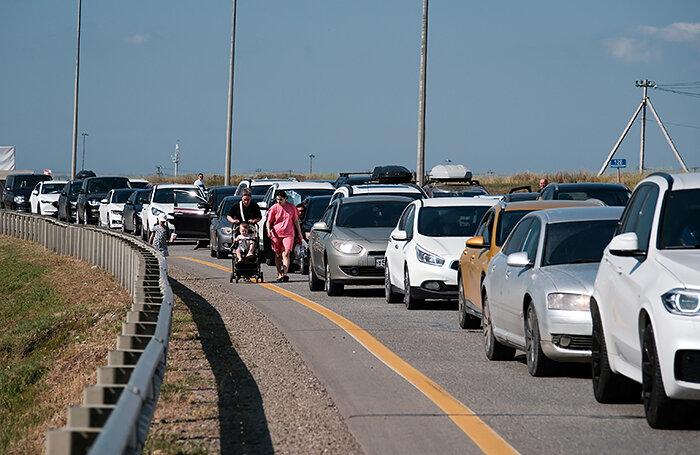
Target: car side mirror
518 259
321 226
476 242
262 205
104 201
35 192
626 245
400 236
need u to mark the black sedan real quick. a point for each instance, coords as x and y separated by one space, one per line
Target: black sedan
68 200
131 214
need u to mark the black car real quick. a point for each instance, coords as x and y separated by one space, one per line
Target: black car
190 215
93 190
312 209
614 194
68 200
131 214
216 194
18 188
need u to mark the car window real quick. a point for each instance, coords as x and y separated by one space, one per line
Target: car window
329 214
547 193
52 188
410 217
187 199
259 190
506 221
316 207
120 197
680 221
370 214
295 196
486 228
532 239
641 215
627 220
609 196
458 221
404 216
163 196
577 241
516 238
75 188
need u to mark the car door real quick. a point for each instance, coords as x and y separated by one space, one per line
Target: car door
477 259
395 250
516 281
624 290
317 241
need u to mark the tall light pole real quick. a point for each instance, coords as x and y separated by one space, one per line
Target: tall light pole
75 102
229 124
82 167
420 168
311 164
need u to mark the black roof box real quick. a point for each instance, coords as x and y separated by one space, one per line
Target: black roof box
391 174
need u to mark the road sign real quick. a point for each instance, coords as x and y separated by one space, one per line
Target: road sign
618 163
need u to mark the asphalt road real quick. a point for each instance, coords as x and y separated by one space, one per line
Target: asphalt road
389 414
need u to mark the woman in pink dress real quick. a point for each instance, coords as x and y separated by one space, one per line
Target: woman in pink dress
282 225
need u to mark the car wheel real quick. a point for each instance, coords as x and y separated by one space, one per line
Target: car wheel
332 288
220 254
212 251
660 410
389 294
409 299
466 320
144 232
538 364
494 349
608 387
304 266
315 283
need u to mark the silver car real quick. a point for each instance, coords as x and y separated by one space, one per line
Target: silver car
537 288
347 245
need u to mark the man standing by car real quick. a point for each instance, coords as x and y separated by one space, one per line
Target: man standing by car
246 210
200 182
282 224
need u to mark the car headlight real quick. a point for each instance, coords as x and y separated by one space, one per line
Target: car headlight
19 199
226 230
94 202
682 301
155 211
571 302
346 247
427 257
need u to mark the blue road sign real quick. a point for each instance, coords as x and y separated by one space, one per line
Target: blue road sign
618 162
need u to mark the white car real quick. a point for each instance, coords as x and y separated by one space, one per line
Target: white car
422 256
44 197
112 206
646 302
161 199
259 187
387 189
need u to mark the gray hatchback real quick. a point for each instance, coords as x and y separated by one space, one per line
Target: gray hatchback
347 245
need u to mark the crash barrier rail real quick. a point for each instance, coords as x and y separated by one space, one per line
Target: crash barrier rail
116 412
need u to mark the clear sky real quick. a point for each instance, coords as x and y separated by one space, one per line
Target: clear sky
512 85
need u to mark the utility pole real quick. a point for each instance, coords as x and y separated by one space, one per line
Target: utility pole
74 159
645 84
159 173
420 167
229 123
311 164
82 167
176 156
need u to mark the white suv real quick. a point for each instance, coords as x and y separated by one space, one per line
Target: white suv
161 199
646 302
387 189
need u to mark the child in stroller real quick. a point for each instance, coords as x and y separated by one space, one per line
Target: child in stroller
245 258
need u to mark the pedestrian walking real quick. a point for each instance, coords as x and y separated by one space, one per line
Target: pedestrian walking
246 210
159 235
282 225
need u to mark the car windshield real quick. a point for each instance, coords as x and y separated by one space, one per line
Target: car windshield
29 181
103 185
577 241
506 222
53 188
226 205
259 190
610 196
163 196
120 197
297 195
460 221
370 214
188 199
137 195
680 222
75 187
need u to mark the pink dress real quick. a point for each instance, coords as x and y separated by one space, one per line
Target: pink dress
281 221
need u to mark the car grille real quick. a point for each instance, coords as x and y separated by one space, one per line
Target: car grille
578 342
362 271
687 366
454 265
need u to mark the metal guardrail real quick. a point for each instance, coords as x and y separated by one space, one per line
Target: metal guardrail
116 413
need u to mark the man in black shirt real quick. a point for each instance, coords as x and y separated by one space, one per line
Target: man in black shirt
251 212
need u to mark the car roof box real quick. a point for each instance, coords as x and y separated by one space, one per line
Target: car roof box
450 173
392 174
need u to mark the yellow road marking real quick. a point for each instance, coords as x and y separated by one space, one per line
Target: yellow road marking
476 429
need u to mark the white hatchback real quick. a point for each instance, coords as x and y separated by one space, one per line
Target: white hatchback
646 302
160 200
44 197
112 206
422 256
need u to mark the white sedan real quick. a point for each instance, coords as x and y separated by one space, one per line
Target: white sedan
44 197
422 256
112 206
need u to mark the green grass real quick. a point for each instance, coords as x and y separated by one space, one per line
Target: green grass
37 323
169 444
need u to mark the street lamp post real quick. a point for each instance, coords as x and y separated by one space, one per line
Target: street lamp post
75 101
82 166
311 163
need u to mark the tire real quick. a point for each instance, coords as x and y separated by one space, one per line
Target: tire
212 252
411 302
389 294
144 233
466 320
659 409
304 266
315 284
332 288
608 386
220 254
538 364
493 348
260 278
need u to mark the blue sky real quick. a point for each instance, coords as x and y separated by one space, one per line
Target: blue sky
512 85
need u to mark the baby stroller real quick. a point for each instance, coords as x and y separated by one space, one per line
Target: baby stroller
249 266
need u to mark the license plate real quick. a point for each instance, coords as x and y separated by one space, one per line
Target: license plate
379 263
